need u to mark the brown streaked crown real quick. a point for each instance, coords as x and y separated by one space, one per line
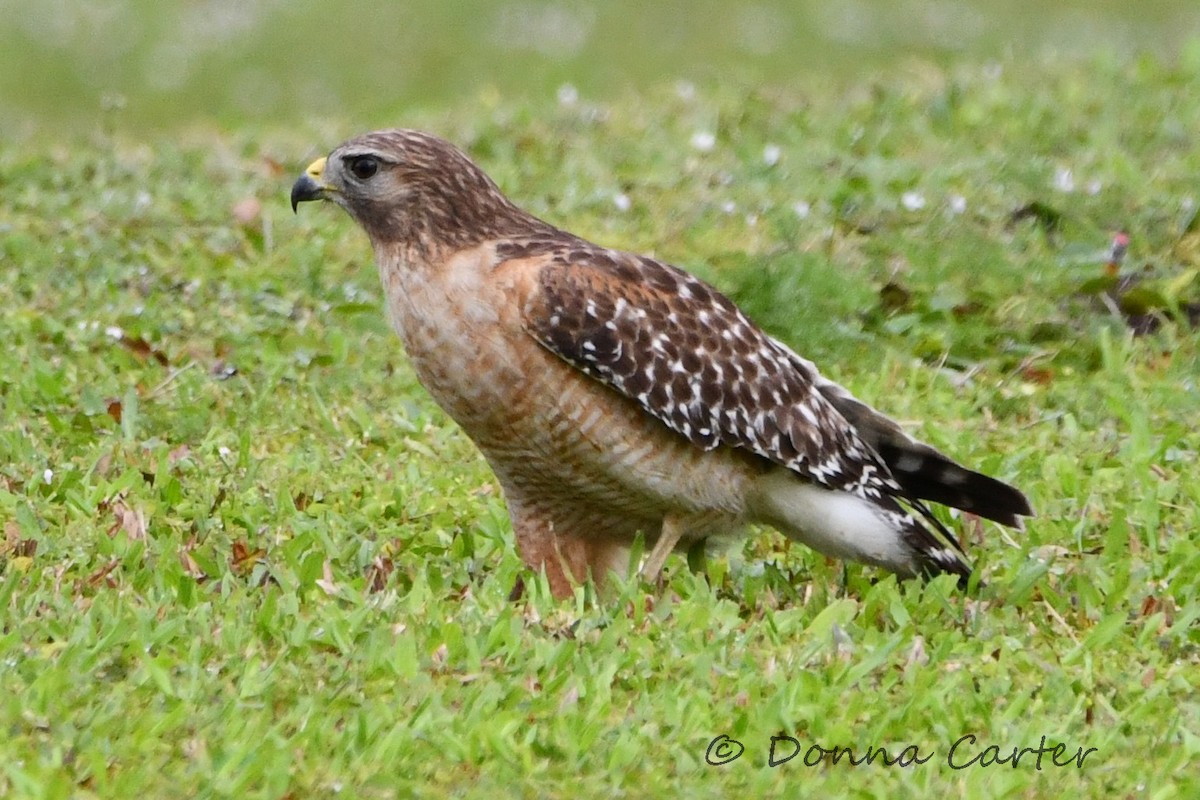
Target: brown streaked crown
425 193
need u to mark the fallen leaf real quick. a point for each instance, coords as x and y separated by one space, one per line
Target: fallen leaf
378 573
916 654
12 534
1050 552
142 349
128 520
243 559
1039 375
325 582
103 465
103 575
439 655
190 567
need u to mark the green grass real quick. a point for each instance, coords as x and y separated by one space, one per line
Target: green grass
65 63
244 555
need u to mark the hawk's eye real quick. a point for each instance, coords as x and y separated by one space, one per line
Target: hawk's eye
363 167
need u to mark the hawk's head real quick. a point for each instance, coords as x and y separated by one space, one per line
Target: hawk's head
409 188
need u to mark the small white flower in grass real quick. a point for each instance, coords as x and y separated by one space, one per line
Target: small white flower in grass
958 204
704 141
913 201
1064 180
622 201
1094 187
48 475
568 95
114 332
801 209
224 452
729 206
771 154
686 91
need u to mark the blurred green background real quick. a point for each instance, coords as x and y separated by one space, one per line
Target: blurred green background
69 64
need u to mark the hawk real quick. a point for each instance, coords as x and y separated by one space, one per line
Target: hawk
614 395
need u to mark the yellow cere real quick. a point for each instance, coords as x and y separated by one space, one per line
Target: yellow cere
316 168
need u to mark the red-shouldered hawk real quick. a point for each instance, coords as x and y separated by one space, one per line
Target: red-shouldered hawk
614 395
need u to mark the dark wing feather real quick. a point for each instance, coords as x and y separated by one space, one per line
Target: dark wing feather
924 472
688 356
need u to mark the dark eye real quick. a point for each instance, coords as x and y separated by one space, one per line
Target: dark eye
363 167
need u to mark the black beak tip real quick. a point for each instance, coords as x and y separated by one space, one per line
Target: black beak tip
304 189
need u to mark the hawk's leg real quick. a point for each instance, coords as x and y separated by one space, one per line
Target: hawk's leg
672 529
568 551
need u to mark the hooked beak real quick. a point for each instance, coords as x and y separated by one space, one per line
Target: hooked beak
310 186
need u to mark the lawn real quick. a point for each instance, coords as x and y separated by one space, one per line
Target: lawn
244 555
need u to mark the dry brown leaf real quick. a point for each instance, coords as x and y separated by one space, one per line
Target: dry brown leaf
325 582
12 535
1043 376
917 657
104 465
243 558
439 656
190 567
142 349
378 573
129 520
103 575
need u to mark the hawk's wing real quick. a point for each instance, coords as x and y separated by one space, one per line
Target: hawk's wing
688 356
